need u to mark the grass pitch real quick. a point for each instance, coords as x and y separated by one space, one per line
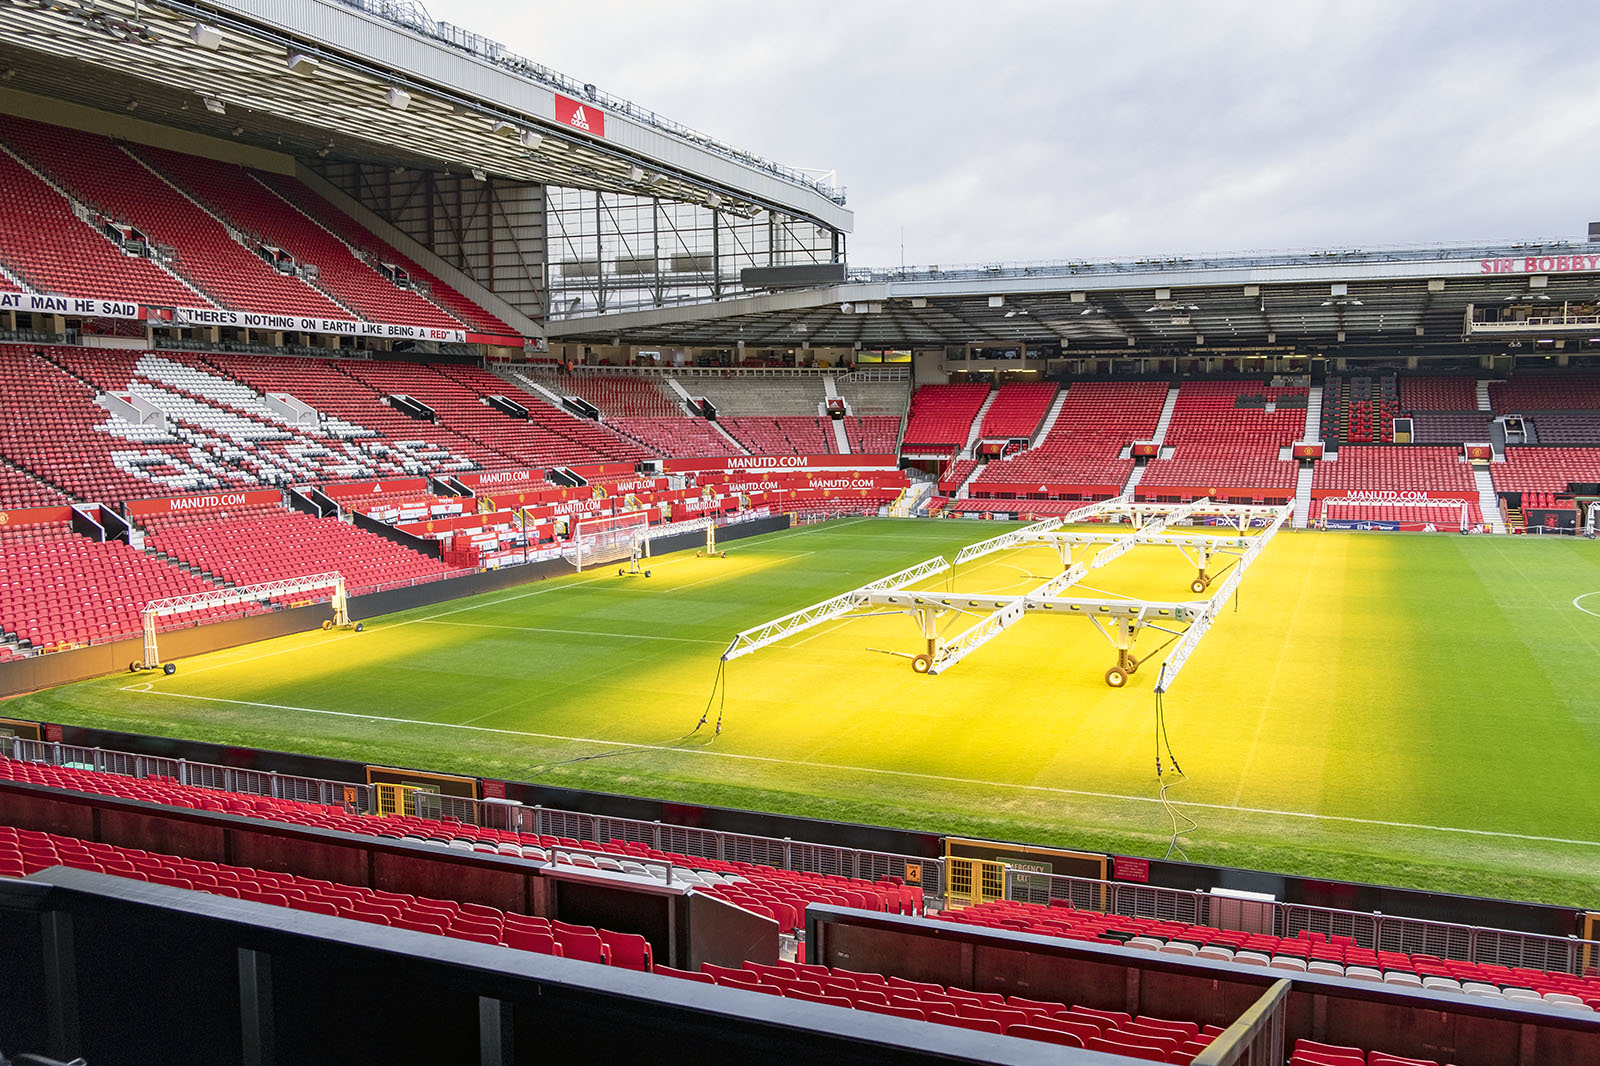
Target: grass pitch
1406 709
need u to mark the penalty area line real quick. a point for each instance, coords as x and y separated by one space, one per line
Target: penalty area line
144 689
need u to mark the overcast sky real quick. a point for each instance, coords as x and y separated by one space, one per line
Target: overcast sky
992 130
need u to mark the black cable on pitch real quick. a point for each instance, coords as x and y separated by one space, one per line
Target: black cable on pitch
1162 740
718 682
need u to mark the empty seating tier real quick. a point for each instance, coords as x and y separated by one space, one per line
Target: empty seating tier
612 395
23 852
1113 1032
782 436
98 171
1575 391
314 205
230 192
1458 393
1313 952
872 434
1097 421
675 436
60 589
1383 468
1228 435
941 416
271 544
1548 470
42 241
1017 410
19 490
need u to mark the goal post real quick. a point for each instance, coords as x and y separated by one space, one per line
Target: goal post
157 611
1354 513
606 538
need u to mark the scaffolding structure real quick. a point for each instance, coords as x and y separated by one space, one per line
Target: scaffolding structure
1120 619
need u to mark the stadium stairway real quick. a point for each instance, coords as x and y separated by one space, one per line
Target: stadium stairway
1160 435
841 439
1303 476
1482 391
1488 502
977 424
1302 496
1049 419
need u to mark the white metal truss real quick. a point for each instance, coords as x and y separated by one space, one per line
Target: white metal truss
1593 520
1198 629
977 636
1145 534
1120 619
767 633
1005 540
229 597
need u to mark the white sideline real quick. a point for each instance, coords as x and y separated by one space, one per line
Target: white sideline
144 689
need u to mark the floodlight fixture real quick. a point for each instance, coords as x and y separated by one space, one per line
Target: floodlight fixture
478 174
302 64
206 36
713 200
397 98
214 105
502 128
635 173
530 140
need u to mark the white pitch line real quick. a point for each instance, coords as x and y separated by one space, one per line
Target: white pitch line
1577 602
1048 789
573 632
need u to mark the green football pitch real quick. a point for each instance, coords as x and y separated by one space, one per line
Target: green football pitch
1417 710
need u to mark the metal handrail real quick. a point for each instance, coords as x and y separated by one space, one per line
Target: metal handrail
351 797
1373 930
1257 1037
784 853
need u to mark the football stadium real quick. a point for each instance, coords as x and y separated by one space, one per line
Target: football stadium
484 578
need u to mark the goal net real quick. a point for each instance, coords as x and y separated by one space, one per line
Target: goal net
1407 515
606 538
205 606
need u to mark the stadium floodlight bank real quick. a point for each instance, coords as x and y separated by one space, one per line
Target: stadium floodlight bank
1121 619
329 584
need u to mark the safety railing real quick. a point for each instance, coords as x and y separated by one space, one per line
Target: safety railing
1256 1038
784 853
351 797
1378 932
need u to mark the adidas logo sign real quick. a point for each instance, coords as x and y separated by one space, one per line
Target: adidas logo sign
579 119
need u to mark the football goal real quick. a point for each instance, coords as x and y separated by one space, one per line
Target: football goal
206 606
606 538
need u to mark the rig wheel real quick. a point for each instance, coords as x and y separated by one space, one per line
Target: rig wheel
920 664
169 669
1116 677
327 623
135 666
647 573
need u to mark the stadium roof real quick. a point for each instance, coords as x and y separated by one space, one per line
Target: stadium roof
1410 297
314 78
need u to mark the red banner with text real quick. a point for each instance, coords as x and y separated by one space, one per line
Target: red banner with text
206 501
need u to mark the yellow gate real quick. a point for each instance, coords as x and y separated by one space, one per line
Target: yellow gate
396 799
1591 932
972 881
